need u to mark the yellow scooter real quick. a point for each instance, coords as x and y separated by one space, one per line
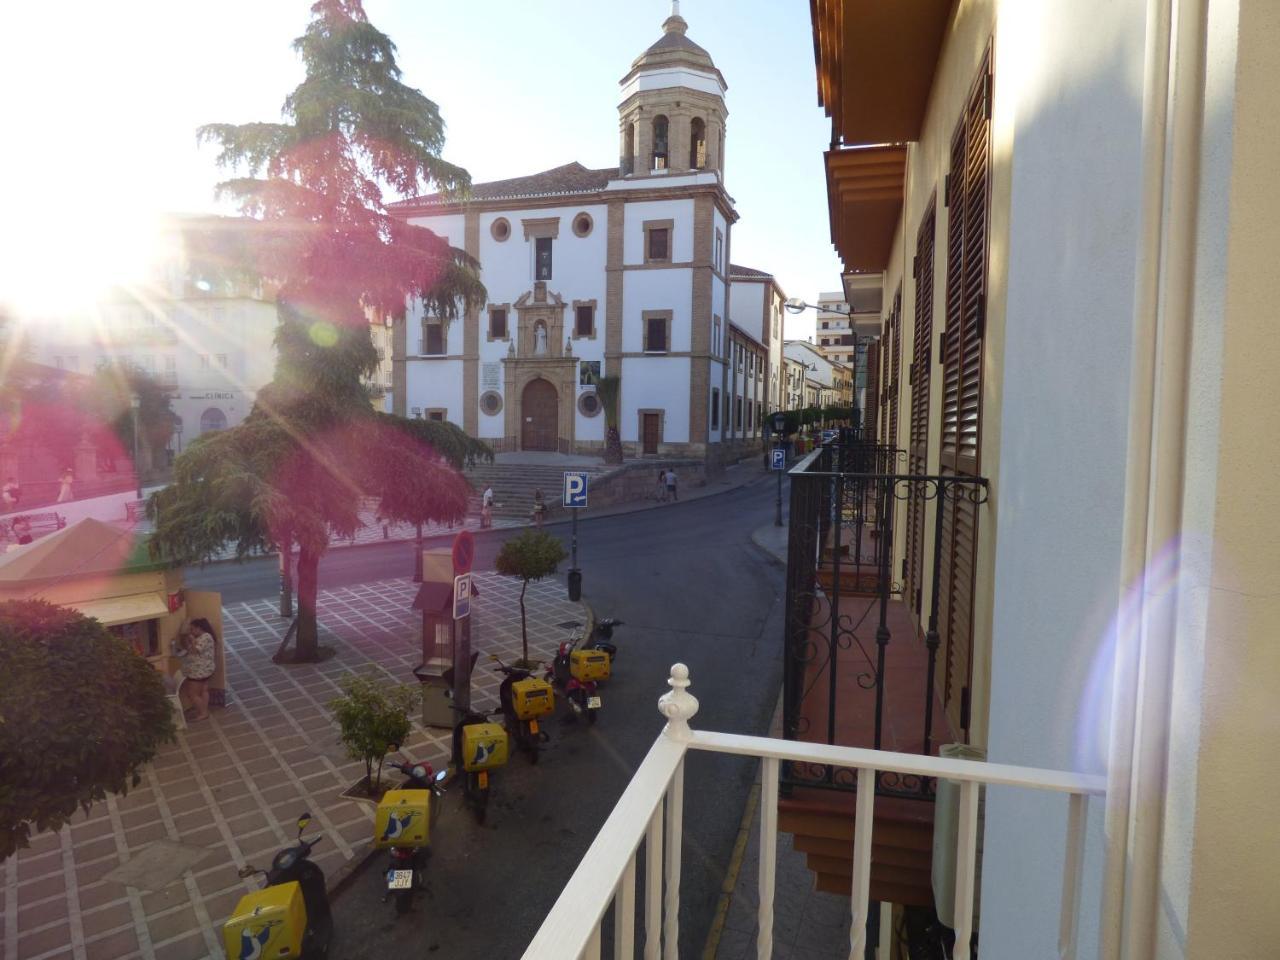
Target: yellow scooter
290 916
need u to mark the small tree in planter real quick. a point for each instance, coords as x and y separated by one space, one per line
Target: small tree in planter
62 751
532 555
372 717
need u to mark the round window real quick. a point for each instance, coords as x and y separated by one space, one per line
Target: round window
491 402
582 224
500 229
589 404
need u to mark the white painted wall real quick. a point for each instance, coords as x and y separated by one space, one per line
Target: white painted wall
635 214
435 383
1068 79
657 290
647 383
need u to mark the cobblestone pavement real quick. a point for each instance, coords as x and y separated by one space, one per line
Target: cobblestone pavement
229 790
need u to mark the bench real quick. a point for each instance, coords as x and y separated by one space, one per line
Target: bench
37 524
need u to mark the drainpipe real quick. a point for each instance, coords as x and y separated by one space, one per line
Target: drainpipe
1163 317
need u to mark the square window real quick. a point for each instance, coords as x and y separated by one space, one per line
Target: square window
658 245
497 323
222 360
584 321
436 415
655 334
542 258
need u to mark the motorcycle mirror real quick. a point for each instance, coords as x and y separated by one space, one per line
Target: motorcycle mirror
441 775
303 821
247 871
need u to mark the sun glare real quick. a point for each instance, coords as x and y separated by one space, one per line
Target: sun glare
58 269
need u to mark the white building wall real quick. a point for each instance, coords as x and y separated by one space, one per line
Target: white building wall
435 384
1067 104
657 290
648 384
636 213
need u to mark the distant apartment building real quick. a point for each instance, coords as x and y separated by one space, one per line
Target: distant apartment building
826 382
205 335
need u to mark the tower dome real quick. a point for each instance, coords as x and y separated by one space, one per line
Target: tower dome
672 115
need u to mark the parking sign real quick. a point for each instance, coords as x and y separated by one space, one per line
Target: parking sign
575 489
462 596
778 459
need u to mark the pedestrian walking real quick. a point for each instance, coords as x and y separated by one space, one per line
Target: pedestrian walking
11 493
539 508
670 479
486 507
64 485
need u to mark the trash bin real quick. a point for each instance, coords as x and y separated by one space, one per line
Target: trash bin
436 700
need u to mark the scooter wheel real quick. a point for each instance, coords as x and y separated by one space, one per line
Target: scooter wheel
482 807
404 901
591 717
534 753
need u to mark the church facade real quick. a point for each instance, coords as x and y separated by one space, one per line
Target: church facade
617 271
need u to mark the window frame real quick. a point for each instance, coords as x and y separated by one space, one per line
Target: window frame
505 310
715 408
427 323
649 227
648 317
591 305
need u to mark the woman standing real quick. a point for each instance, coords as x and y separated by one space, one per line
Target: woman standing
64 485
197 651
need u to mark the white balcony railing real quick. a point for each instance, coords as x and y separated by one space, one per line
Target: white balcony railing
650 811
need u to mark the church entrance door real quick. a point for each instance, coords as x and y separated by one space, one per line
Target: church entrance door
540 413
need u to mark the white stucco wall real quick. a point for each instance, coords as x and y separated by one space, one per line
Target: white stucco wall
657 290
434 384
655 383
1068 96
636 213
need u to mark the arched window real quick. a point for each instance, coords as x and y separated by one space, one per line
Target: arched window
660 153
629 149
697 144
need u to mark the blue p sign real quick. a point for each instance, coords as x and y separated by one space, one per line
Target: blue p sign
575 489
778 459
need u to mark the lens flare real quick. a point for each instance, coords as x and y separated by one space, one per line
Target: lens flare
323 333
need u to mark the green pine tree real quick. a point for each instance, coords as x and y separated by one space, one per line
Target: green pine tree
295 472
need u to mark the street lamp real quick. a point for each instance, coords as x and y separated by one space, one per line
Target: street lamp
135 402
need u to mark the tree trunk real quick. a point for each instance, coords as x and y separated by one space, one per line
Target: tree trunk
612 446
307 644
524 629
286 578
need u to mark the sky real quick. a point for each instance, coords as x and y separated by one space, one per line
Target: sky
104 99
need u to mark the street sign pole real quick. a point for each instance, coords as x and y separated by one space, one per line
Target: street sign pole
777 517
574 498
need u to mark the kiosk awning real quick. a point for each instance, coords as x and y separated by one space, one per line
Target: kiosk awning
113 610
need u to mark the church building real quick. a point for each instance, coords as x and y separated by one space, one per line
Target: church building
617 271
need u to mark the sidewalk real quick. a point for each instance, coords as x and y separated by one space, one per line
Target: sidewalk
153 874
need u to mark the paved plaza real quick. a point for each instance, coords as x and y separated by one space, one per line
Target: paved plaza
153 874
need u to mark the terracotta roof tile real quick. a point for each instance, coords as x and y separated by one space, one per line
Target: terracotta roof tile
737 270
569 178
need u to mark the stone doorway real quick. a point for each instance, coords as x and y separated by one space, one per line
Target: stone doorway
540 415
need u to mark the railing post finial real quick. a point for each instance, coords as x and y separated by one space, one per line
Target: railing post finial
678 705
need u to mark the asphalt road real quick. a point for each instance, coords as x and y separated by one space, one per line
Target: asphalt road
690 586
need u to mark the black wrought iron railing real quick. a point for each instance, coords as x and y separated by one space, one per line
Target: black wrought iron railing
840 584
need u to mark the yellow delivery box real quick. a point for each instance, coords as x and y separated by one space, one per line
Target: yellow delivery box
589 665
532 698
267 923
484 746
402 819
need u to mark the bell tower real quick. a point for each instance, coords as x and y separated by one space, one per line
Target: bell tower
672 115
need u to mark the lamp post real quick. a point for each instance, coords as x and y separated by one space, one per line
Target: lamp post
135 402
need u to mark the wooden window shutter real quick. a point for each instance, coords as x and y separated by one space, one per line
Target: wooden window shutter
895 366
872 412
962 344
918 438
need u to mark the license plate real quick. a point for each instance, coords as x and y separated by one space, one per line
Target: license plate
484 779
593 703
399 879
533 726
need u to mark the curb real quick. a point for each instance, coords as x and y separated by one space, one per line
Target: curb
345 875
